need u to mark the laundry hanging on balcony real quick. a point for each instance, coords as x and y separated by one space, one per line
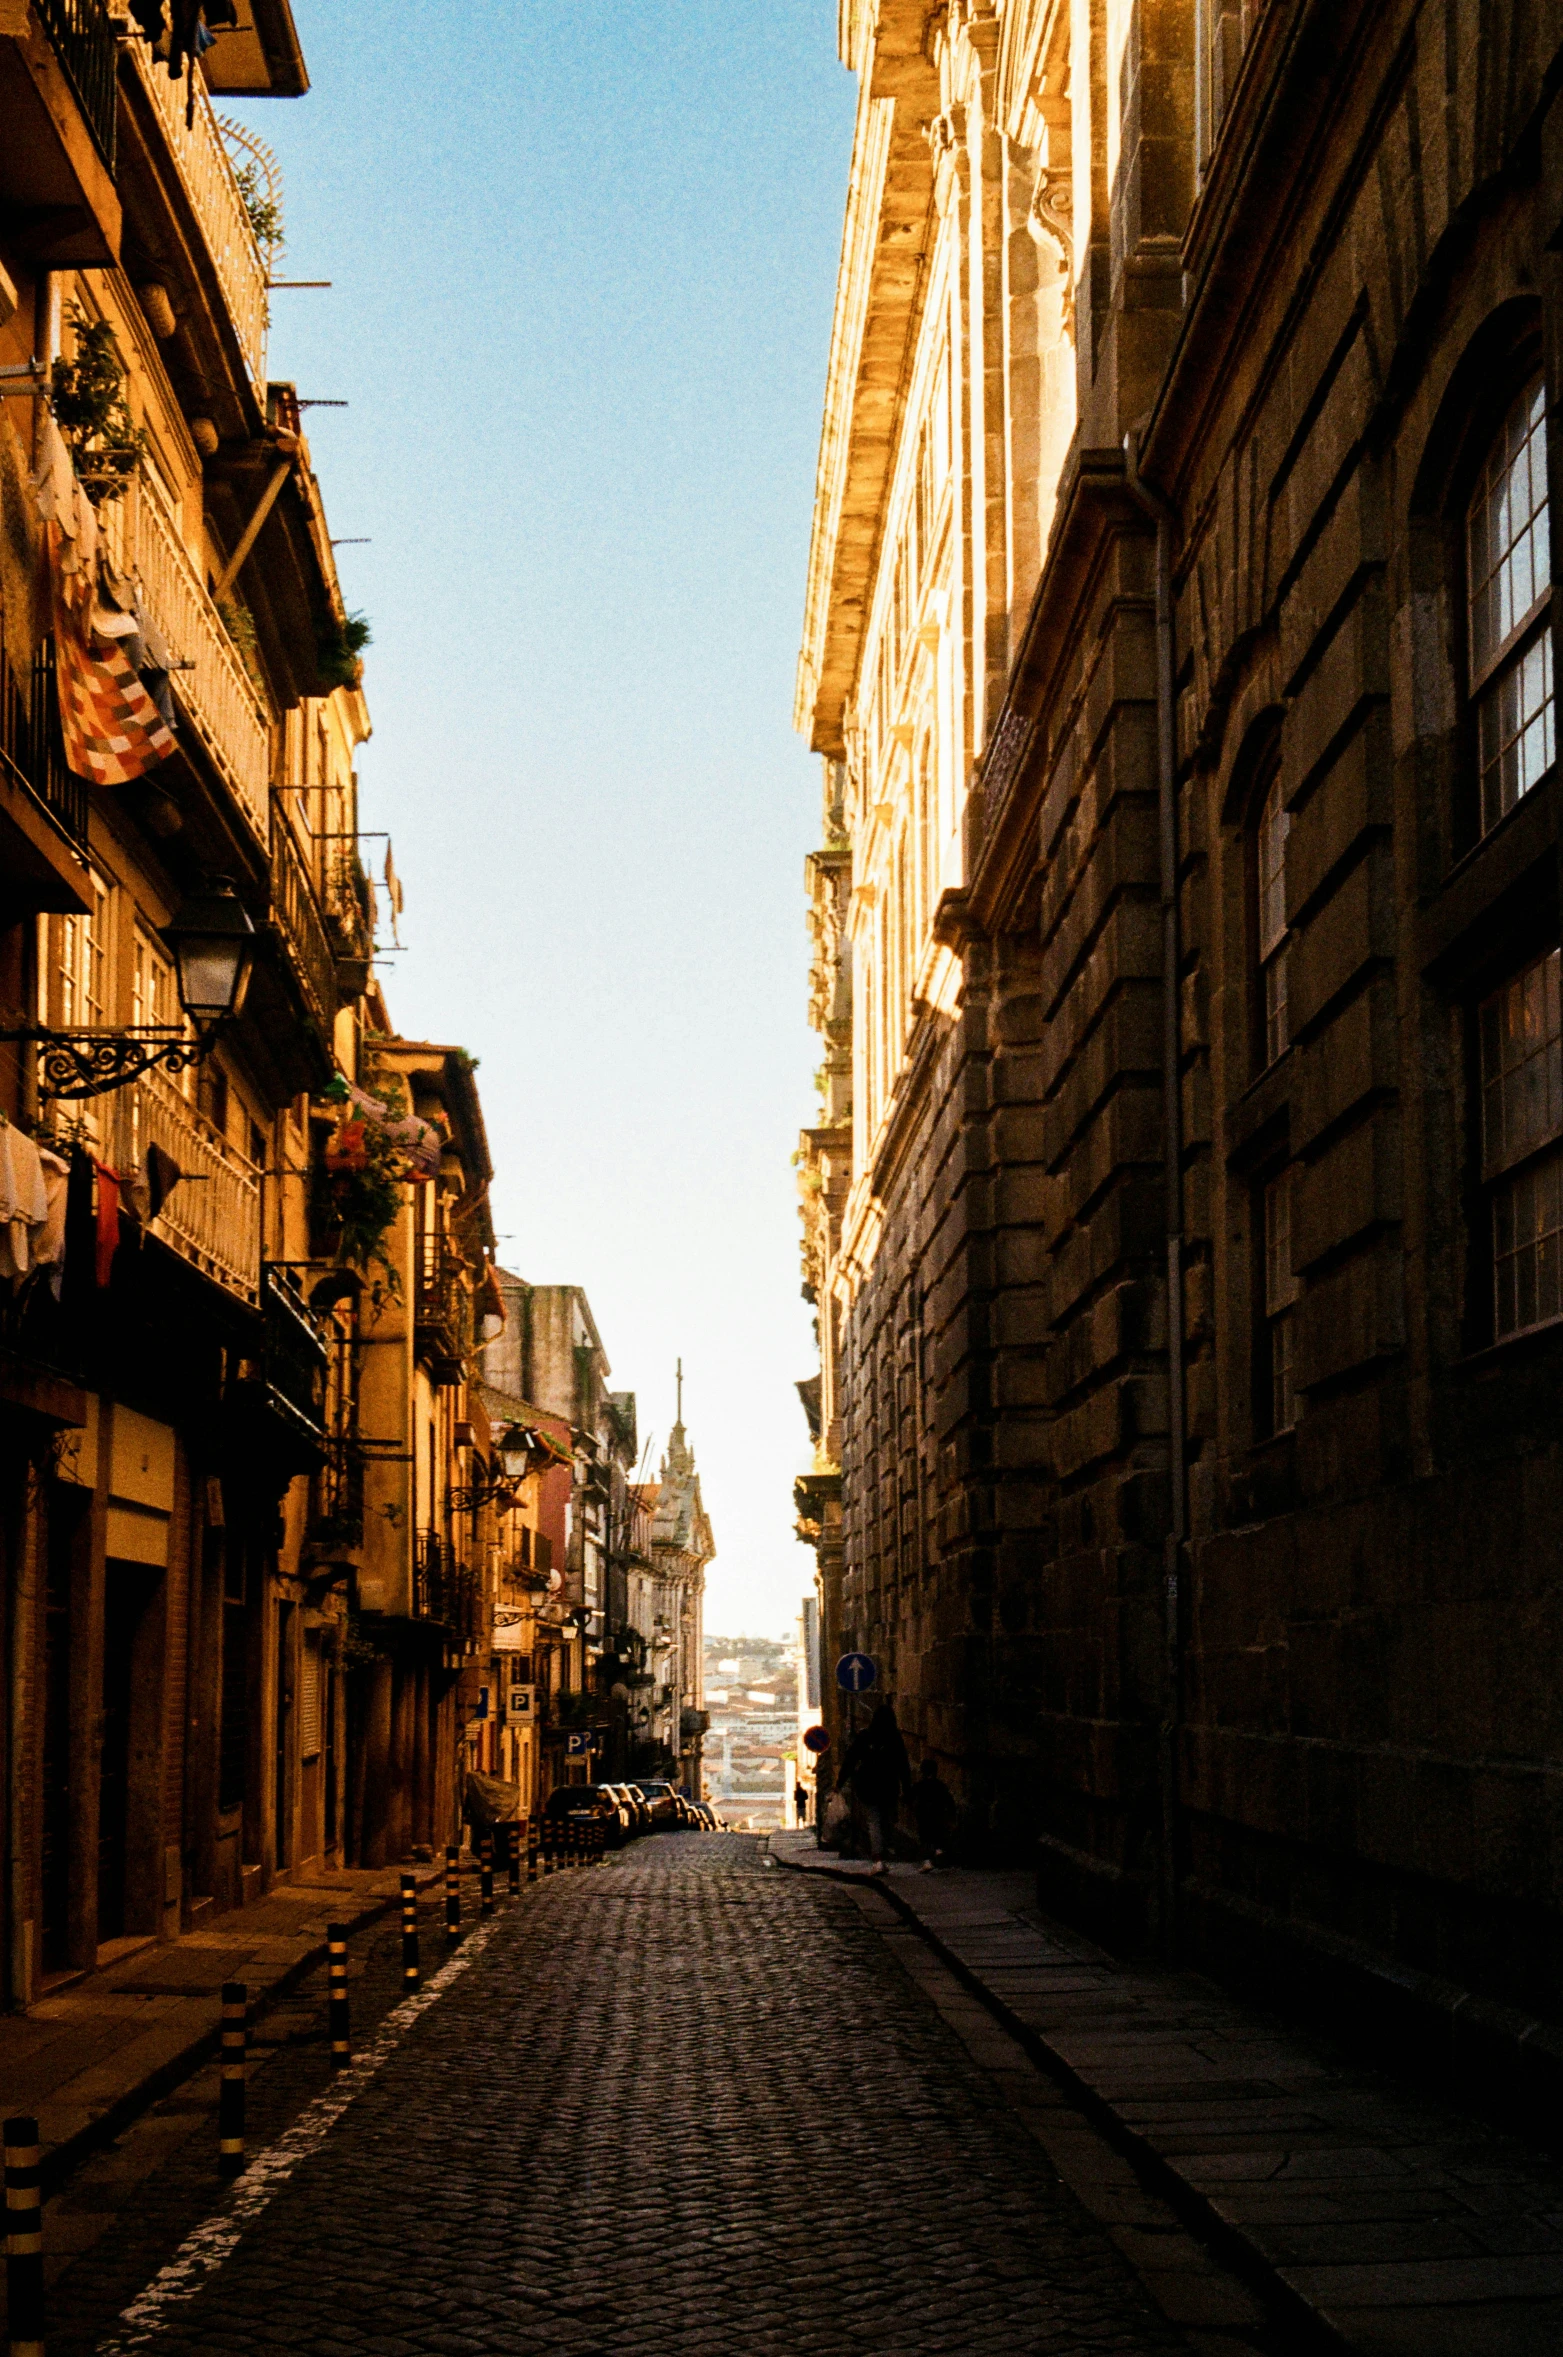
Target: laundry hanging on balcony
417 1141
110 721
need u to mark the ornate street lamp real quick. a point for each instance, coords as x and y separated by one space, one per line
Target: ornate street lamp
213 945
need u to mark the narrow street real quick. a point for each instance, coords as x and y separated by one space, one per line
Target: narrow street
684 2102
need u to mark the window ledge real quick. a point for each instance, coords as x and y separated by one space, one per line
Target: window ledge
1481 876
1493 1357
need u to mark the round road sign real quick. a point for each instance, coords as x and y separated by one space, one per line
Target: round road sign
856 1672
816 1739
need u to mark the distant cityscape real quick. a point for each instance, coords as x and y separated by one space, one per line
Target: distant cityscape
751 1693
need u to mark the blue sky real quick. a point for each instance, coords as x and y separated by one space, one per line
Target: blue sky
583 260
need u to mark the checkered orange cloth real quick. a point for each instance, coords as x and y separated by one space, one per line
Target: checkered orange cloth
112 729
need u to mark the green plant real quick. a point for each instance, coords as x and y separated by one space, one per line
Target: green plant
357 1186
339 646
264 210
87 395
239 623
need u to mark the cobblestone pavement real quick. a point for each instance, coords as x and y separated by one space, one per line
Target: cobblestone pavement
677 2104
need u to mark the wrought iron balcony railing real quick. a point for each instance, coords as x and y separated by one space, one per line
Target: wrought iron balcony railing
442 1316
296 914
445 1590
30 746
82 37
296 1358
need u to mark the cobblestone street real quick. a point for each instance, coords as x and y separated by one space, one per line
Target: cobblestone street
685 2102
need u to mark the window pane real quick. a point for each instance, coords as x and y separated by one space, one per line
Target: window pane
1274 827
1277 1029
1280 1284
1515 725
1283 1403
1527 1237
1521 1041
1508 546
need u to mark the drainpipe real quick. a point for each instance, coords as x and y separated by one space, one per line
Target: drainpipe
1162 516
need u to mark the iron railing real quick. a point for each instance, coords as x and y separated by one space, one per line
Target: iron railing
201 157
442 1317
446 1590
295 1350
296 914
212 682
82 38
212 1217
31 748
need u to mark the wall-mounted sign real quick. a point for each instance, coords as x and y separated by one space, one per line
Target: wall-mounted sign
520 1706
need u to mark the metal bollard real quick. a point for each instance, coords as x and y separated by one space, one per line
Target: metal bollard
599 1843
547 1846
452 1896
486 1874
573 1839
230 2087
513 1834
23 2238
532 1851
410 1974
336 2001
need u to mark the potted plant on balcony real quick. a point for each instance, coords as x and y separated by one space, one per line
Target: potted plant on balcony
357 1186
87 395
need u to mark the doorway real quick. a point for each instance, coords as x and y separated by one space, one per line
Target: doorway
58 1752
127 1777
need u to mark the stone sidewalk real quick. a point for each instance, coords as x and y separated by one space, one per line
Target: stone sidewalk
1385 2222
95 2052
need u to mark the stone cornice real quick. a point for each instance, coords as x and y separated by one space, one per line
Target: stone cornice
878 299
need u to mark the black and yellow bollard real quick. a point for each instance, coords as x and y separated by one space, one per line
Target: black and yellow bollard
336 2002
486 1875
230 2085
532 1848
572 1842
410 1973
23 2238
547 1848
452 1895
513 1833
598 1852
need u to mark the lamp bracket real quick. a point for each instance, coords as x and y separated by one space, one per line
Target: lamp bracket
92 1062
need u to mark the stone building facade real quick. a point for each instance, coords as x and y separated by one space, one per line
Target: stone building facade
1180 618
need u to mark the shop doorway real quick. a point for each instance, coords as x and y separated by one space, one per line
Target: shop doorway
128 1753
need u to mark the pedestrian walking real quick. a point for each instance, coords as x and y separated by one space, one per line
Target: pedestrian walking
800 1803
933 1805
879 1772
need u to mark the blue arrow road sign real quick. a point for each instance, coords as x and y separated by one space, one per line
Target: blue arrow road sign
855 1672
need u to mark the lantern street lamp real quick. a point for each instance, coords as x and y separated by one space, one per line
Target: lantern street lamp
514 1451
213 945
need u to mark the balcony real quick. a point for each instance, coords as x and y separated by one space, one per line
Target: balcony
212 1218
215 690
445 1591
297 919
43 847
349 923
59 105
207 177
82 38
442 1322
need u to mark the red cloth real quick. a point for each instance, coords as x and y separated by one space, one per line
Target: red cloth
108 1219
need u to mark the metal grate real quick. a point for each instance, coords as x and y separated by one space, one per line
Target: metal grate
82 38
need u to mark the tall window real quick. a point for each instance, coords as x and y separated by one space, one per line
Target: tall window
1280 1295
1508 588
1521 1052
82 970
1274 826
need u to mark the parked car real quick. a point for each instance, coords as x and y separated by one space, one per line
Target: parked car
634 1802
667 1810
642 1808
705 1816
591 1803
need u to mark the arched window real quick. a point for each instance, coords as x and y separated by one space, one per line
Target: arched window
1272 935
1508 558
